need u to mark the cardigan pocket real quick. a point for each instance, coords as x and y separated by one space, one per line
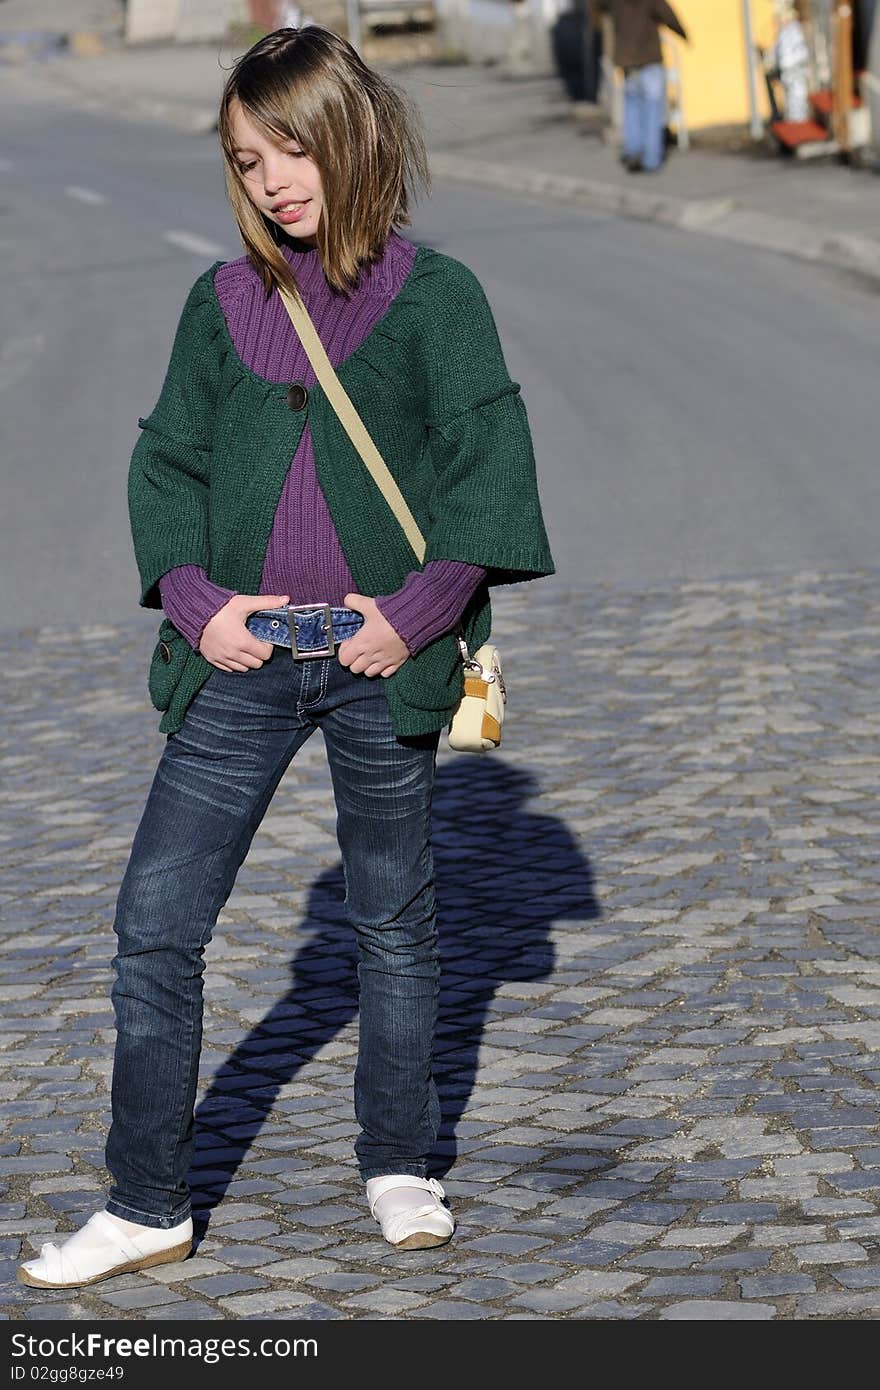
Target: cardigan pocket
166 667
433 680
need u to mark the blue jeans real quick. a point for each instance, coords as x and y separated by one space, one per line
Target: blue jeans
210 792
644 114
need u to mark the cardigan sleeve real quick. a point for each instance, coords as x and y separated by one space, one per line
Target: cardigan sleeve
485 504
169 469
485 507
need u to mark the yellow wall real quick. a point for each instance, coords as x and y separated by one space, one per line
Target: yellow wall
713 65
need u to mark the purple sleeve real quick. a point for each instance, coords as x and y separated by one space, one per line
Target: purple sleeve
190 599
431 601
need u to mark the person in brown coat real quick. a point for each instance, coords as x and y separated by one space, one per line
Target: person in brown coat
637 50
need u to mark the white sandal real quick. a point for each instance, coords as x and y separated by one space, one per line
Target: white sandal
412 1227
100 1250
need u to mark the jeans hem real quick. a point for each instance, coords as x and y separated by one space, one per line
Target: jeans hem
386 1170
148 1218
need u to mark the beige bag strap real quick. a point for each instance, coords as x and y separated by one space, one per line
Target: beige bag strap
352 422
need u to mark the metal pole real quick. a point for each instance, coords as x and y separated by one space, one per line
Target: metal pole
842 82
353 20
587 50
756 125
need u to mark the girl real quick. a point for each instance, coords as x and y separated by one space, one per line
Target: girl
293 602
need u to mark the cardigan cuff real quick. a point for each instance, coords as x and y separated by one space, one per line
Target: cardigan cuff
431 601
190 599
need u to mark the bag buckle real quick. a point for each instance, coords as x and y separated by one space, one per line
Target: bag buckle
470 663
489 675
327 626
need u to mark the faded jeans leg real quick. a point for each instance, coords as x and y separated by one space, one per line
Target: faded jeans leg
633 118
644 115
653 83
383 788
211 789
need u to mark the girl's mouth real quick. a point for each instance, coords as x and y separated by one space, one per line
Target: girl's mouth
286 213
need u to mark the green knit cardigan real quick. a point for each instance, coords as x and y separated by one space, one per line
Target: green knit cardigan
431 386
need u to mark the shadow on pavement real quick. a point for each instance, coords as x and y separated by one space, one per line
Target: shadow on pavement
504 875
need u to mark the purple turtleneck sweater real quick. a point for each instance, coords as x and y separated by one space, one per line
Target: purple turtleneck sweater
304 558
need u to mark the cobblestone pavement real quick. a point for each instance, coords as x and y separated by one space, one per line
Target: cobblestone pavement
661 1006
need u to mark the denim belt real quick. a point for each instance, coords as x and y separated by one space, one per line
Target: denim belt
315 628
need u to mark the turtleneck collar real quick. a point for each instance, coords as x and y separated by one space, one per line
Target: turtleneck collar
376 278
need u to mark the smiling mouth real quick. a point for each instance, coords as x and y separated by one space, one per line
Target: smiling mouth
290 207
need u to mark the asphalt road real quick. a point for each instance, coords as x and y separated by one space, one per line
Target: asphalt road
698 409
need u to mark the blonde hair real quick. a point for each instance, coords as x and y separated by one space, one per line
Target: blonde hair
309 85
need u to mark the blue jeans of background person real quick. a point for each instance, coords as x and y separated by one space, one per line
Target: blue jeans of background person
644 115
210 792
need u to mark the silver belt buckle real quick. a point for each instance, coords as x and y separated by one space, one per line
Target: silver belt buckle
324 608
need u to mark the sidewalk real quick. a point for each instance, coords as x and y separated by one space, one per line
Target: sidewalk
519 133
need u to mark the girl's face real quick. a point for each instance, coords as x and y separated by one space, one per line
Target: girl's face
278 178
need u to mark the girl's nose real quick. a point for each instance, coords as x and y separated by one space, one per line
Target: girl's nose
274 179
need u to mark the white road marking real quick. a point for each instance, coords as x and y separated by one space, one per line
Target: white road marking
6 165
198 245
85 195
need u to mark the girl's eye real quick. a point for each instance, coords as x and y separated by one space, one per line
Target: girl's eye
252 164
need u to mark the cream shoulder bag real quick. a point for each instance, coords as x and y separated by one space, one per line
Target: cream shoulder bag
476 724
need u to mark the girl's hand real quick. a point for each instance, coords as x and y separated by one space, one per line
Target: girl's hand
376 650
227 643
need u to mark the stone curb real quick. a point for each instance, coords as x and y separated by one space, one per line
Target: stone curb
721 217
